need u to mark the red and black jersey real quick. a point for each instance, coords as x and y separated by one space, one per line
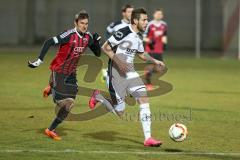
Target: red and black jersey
155 31
72 45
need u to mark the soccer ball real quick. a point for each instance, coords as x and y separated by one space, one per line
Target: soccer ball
178 132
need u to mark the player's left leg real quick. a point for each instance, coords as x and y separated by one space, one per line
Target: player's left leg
64 90
117 89
65 107
137 89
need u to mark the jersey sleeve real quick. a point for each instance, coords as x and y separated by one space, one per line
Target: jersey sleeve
165 29
63 37
116 39
140 47
94 45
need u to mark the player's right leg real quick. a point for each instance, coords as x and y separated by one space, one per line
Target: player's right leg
146 120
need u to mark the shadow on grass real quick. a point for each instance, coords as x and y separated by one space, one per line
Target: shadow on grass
60 131
172 150
109 136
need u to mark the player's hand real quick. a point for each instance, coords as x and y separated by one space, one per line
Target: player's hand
159 63
123 67
35 63
96 37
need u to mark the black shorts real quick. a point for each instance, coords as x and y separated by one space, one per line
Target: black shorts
156 56
63 86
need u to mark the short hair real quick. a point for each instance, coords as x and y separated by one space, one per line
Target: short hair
81 15
158 9
136 14
125 7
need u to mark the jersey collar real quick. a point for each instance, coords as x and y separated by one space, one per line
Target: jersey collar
77 32
124 21
132 29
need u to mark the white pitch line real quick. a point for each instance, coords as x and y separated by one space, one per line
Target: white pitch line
119 152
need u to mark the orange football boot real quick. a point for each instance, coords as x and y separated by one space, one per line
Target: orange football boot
52 134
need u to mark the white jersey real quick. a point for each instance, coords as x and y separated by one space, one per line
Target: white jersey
126 42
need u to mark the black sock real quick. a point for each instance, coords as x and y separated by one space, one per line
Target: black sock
148 77
62 114
55 123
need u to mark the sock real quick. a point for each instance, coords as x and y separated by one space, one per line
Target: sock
148 76
145 118
106 103
55 123
62 114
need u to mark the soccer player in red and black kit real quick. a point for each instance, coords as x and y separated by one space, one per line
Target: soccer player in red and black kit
156 41
72 44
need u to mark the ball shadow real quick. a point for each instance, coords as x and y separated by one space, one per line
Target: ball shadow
109 136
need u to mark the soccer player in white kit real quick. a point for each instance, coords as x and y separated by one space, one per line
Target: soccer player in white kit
121 49
115 26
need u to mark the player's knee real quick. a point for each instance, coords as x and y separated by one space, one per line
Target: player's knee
67 103
119 109
120 113
143 100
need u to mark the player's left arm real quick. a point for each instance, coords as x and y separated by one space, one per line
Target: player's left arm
165 39
146 57
94 44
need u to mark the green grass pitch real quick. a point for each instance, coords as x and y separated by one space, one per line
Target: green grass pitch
206 94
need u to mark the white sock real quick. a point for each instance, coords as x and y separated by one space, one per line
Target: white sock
145 118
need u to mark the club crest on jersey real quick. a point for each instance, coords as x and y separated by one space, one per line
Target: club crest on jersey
85 40
158 33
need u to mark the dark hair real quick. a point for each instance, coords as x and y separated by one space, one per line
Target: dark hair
81 15
125 7
136 14
158 9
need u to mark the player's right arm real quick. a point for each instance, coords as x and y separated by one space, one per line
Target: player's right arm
107 48
59 39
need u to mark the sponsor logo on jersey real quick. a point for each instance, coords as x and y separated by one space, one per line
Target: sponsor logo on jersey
130 51
78 50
